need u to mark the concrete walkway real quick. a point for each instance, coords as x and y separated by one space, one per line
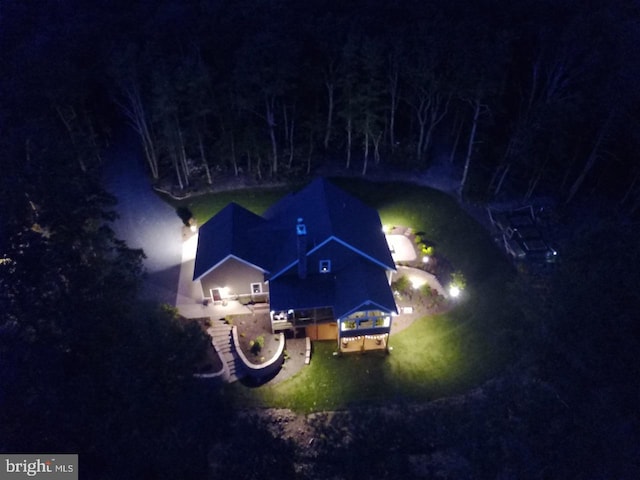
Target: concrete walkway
417 277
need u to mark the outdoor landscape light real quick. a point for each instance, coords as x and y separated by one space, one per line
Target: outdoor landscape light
425 259
417 282
454 291
193 228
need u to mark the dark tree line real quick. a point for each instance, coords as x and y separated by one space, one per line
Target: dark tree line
522 98
85 367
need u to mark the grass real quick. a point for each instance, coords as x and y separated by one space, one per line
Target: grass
257 200
435 357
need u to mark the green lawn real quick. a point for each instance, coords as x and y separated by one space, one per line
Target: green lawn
257 200
438 355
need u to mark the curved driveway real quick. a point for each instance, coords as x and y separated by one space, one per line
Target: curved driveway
144 220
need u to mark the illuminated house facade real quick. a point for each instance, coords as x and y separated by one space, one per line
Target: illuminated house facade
318 257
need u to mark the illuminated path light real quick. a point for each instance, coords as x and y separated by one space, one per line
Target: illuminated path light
454 291
417 282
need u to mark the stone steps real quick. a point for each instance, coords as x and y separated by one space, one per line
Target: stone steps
221 338
220 332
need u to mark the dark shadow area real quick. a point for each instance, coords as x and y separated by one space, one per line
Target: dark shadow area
162 286
253 382
185 215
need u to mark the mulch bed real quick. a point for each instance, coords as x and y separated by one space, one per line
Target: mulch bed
251 327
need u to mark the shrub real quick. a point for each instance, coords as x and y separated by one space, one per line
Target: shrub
457 279
186 216
170 311
257 344
427 291
401 285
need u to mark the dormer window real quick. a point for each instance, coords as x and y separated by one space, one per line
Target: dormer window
325 266
301 228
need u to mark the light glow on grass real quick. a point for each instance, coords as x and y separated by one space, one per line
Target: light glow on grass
430 359
434 357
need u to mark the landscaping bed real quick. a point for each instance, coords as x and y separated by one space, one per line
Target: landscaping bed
257 342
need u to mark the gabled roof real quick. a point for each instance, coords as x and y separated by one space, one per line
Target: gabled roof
233 232
361 286
329 213
365 287
270 242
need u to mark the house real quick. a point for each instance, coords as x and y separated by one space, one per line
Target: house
319 258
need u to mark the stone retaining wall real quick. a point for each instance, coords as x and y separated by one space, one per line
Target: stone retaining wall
263 370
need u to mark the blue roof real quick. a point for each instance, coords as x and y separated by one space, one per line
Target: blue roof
271 244
362 286
327 212
233 231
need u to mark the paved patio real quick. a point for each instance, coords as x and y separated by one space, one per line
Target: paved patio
401 248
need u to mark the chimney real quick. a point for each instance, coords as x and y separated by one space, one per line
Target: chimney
301 231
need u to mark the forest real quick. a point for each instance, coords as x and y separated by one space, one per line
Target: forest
522 99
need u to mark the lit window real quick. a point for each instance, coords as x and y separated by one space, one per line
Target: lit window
325 266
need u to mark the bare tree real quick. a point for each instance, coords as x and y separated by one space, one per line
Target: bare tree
478 109
592 158
132 106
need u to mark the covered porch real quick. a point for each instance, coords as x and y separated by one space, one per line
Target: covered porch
364 330
364 343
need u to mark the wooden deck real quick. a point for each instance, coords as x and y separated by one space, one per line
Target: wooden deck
323 331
